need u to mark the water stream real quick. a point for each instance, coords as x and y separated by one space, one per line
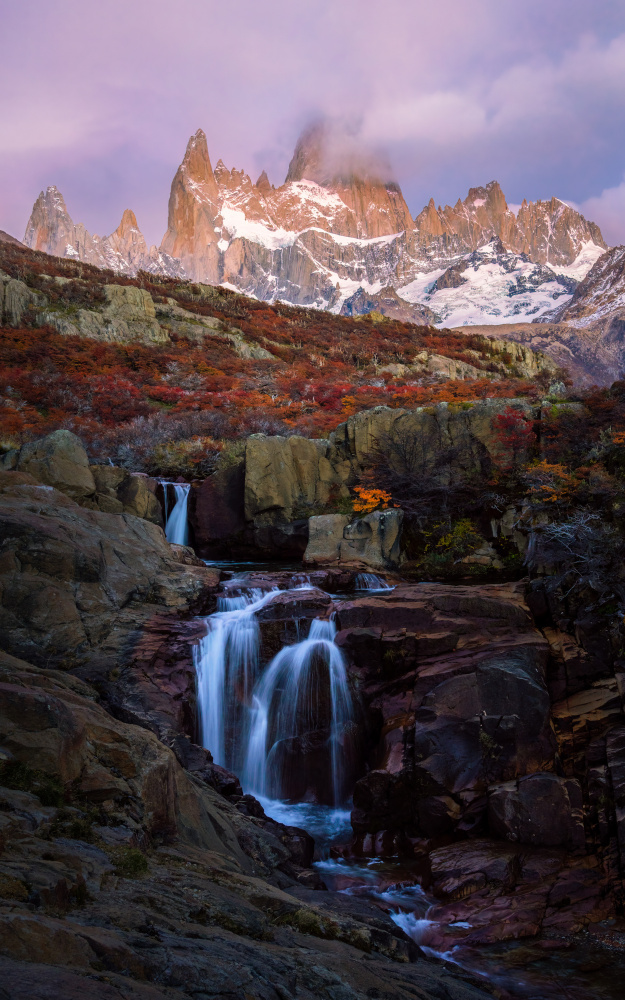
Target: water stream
284 728
267 723
176 520
303 690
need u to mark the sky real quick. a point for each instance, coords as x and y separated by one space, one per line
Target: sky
100 98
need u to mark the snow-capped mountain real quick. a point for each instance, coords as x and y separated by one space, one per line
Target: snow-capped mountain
339 231
50 229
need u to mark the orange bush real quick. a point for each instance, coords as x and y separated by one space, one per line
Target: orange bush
368 500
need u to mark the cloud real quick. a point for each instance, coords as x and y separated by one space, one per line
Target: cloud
455 93
608 211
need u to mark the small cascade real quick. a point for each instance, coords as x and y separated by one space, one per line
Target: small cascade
371 581
226 663
302 710
176 521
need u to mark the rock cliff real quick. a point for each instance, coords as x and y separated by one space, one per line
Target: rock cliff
284 495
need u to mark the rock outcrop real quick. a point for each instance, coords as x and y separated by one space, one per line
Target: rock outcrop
60 461
388 303
79 585
286 494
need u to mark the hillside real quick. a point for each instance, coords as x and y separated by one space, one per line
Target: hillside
135 365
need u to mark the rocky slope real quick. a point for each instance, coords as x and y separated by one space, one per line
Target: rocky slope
130 865
123 869
337 224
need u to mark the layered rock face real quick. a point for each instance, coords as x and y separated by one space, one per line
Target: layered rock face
338 222
284 494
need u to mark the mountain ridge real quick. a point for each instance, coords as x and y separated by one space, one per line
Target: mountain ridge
336 225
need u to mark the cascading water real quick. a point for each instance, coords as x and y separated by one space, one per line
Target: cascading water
226 663
370 581
302 709
285 730
176 521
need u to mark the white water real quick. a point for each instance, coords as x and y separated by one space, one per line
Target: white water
226 663
252 719
176 522
289 703
371 581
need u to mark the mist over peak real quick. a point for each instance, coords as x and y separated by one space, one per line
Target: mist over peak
334 151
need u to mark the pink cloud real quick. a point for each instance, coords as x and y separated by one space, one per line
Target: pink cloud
105 96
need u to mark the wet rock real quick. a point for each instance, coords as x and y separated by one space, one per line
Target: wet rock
455 678
504 892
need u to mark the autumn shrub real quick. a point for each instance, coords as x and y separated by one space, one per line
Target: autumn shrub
368 500
191 458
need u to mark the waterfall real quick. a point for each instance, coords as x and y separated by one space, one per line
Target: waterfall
302 708
371 581
226 664
283 728
176 522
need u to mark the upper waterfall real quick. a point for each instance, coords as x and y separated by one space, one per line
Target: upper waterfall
176 520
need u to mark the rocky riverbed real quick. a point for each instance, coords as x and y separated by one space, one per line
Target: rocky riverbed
484 757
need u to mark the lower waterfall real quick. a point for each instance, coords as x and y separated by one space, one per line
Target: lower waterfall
303 691
370 581
283 728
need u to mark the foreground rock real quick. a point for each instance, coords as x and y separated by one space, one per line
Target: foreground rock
455 681
102 595
60 460
122 874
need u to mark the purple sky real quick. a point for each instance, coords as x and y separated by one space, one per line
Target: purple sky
100 99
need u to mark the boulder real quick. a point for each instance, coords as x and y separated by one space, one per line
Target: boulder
285 475
374 540
325 536
539 809
59 460
137 498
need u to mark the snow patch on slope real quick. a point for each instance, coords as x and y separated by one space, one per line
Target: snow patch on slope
497 288
582 264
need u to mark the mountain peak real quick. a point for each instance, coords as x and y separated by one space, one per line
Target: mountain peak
490 196
263 184
196 163
128 222
331 153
